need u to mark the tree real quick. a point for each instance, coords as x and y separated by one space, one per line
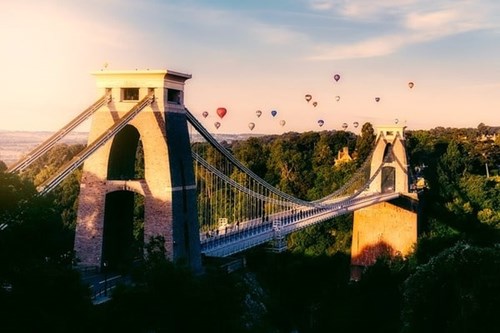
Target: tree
364 143
456 291
39 291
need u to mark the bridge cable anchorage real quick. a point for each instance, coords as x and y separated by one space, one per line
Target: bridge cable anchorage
41 149
49 184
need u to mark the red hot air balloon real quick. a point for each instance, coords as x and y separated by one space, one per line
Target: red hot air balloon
204 114
336 77
221 112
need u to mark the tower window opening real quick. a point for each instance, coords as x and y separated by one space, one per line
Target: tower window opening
174 96
130 94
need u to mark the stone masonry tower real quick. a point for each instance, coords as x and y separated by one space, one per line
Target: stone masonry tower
116 175
387 228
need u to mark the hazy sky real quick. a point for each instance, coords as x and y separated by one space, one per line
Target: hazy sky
264 55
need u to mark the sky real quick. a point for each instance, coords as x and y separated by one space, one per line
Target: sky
251 55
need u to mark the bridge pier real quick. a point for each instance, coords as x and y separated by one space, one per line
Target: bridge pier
384 229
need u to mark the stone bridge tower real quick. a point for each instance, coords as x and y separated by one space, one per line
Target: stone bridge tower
147 162
387 228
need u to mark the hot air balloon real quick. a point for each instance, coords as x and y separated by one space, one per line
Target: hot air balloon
204 114
221 112
308 98
396 120
315 104
344 126
282 123
336 77
321 122
411 84
377 99
217 124
251 126
274 113
337 98
355 124
258 113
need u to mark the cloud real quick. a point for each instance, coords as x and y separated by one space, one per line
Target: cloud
274 34
373 47
412 28
362 9
322 4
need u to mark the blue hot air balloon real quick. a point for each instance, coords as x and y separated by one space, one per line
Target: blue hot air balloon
274 113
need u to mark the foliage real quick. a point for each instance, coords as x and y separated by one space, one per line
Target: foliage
449 283
169 298
36 280
365 141
456 291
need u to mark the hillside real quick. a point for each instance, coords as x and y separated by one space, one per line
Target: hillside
14 144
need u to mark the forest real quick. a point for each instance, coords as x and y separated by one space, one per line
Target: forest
449 283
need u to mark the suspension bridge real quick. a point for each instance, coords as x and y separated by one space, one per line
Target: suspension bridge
197 196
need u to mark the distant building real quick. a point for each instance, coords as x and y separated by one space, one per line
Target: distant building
343 156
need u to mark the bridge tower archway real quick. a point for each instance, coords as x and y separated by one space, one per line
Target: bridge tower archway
391 152
163 175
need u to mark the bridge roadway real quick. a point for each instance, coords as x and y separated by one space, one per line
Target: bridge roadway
232 239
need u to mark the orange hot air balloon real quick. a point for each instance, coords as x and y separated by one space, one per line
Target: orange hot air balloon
411 84
282 123
337 98
221 112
